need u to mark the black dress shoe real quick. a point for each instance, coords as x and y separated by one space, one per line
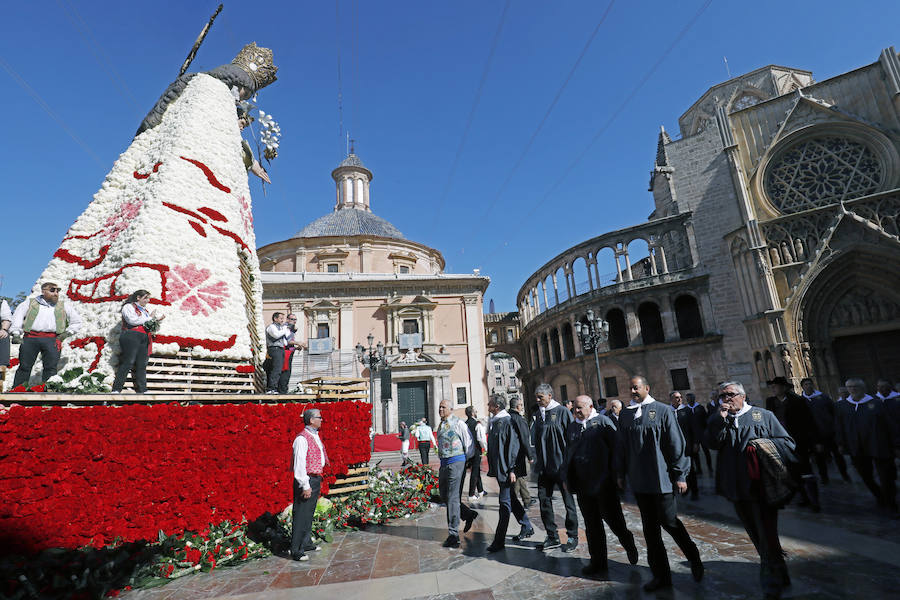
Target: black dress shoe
299 557
593 570
632 552
495 547
656 584
452 541
471 518
697 570
523 535
570 545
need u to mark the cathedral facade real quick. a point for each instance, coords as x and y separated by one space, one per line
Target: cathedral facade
351 274
772 248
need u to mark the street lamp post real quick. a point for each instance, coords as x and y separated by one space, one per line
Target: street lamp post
372 359
592 335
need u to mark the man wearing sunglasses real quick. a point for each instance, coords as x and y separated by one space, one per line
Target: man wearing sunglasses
730 430
43 321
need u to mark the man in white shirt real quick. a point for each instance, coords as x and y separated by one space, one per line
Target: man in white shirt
309 460
277 335
5 322
43 321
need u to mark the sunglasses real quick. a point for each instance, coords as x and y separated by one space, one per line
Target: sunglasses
728 395
54 289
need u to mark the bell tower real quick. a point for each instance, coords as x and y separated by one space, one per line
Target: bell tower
352 180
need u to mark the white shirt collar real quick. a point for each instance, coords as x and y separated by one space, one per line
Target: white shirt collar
500 415
813 395
743 411
893 394
865 399
637 407
553 404
593 414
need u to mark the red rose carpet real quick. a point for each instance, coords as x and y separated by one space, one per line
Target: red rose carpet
74 476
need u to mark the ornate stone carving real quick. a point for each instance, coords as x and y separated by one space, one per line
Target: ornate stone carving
863 306
786 362
821 171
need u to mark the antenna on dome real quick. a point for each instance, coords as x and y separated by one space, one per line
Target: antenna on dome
727 68
352 146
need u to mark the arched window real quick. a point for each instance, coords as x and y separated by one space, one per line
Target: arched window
554 344
545 346
687 315
651 324
568 342
618 330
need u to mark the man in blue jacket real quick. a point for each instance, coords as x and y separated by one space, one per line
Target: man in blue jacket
652 457
729 431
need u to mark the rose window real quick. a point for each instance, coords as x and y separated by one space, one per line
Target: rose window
822 171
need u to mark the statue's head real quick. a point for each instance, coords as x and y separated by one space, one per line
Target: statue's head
258 63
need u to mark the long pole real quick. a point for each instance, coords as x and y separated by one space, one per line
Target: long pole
372 397
599 380
190 57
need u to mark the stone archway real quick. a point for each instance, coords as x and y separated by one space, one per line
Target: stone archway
849 318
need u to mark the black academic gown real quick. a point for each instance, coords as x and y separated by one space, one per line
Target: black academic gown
549 438
525 451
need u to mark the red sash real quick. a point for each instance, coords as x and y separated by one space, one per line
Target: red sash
287 359
127 327
753 464
46 334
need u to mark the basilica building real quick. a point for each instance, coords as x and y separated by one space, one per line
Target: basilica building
351 274
772 248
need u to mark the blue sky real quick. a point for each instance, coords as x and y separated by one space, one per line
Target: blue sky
410 74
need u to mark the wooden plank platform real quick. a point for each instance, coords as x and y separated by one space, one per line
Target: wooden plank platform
357 478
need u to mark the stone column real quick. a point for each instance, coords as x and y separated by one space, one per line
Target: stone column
663 265
633 325
668 319
346 326
474 334
555 290
576 342
706 311
544 290
562 346
590 276
629 274
692 243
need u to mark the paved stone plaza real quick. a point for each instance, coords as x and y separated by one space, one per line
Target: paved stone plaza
846 551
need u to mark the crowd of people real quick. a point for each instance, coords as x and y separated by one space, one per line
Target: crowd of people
589 454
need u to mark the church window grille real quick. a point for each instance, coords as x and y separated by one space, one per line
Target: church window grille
462 396
322 330
410 326
821 171
499 381
680 379
611 387
333 268
404 269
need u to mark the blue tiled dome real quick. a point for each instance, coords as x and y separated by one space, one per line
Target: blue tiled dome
349 222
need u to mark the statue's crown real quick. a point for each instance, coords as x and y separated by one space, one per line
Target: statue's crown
258 63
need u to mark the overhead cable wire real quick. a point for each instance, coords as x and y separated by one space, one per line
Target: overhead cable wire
546 196
549 110
340 98
40 101
98 52
462 142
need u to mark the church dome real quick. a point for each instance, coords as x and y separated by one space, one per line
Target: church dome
349 222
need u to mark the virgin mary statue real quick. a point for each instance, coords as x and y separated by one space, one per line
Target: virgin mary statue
174 217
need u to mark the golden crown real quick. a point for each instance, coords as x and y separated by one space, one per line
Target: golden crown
258 63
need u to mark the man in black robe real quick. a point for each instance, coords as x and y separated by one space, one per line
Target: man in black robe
685 418
590 475
729 431
502 455
795 415
651 456
526 455
822 407
548 436
864 429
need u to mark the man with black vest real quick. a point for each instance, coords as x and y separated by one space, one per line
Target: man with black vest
43 321
685 418
590 475
473 465
864 430
739 477
526 455
795 415
548 435
651 456
502 455
822 407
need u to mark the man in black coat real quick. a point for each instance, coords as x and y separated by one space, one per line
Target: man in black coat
526 455
685 418
864 429
729 431
822 407
502 455
590 475
700 417
548 436
473 465
795 415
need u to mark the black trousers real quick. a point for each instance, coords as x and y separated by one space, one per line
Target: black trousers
691 478
658 512
761 523
285 378
473 465
276 353
132 357
708 457
424 449
598 508
28 353
885 490
301 523
830 450
545 486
